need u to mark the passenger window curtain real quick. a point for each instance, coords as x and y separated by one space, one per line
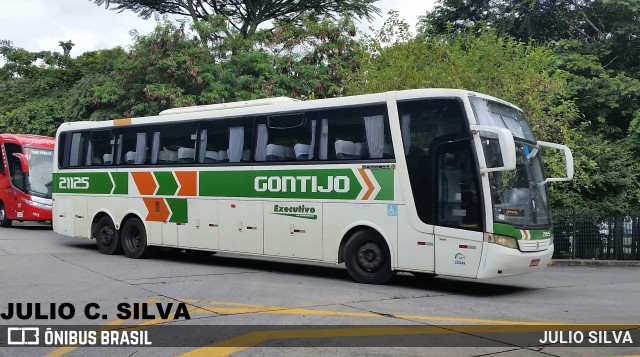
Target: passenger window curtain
236 143
76 148
324 139
405 128
261 142
155 147
203 145
313 139
374 127
89 158
118 149
141 148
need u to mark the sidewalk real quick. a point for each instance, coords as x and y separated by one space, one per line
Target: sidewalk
593 263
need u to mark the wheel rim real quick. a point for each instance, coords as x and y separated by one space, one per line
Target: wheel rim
133 238
2 214
370 257
106 235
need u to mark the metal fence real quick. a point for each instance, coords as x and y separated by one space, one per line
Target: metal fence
591 235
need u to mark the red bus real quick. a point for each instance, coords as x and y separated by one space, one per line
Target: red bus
26 166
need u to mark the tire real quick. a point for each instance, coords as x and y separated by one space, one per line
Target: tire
367 258
106 235
134 239
4 221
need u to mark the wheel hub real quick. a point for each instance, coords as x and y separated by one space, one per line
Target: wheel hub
106 235
370 257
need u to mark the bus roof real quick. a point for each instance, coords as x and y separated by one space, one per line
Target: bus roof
29 140
272 106
231 105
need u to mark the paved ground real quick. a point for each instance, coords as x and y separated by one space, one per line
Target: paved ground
37 265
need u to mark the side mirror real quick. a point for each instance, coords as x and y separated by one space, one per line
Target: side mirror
568 156
507 147
23 162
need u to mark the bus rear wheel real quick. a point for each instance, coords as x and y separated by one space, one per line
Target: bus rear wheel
134 239
4 221
106 235
367 258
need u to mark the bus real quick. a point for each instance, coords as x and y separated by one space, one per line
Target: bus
432 181
26 174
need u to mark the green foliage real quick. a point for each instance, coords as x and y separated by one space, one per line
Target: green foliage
169 68
244 16
596 50
487 63
609 99
33 88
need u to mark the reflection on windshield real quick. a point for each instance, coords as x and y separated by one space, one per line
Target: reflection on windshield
498 115
40 171
518 196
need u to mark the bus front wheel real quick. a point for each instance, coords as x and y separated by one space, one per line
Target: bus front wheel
106 235
367 258
134 239
4 221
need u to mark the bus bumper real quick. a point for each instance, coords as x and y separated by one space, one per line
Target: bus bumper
502 261
32 212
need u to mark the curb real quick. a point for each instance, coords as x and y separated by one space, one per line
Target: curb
593 263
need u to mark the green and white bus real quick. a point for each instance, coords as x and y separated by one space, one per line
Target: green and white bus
435 181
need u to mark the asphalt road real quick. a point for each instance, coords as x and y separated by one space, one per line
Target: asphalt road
38 266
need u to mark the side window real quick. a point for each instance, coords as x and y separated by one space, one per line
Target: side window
289 137
355 134
225 140
77 150
2 160
18 179
131 148
63 143
172 144
424 123
100 148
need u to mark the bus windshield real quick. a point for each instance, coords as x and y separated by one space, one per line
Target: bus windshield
519 197
40 171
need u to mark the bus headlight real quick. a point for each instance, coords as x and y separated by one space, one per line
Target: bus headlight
36 204
504 241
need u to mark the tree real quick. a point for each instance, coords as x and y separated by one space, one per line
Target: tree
595 43
605 28
245 15
34 88
486 62
168 68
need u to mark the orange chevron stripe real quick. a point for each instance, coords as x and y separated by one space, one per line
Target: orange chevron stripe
188 183
145 182
158 210
369 184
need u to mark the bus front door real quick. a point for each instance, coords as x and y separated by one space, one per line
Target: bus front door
458 211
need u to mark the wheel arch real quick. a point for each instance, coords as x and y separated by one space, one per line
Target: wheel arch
96 217
131 215
360 226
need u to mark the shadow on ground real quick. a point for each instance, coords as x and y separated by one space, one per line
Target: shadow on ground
445 285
